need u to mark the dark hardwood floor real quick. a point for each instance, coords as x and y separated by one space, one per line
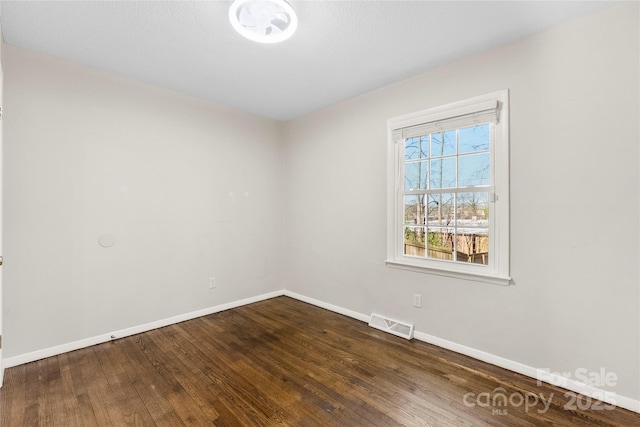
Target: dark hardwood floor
280 362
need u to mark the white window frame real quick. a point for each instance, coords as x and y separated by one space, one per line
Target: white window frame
497 270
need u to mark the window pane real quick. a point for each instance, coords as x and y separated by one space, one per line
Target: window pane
414 209
440 243
443 173
472 209
411 148
473 246
440 209
473 139
474 170
443 144
416 175
414 238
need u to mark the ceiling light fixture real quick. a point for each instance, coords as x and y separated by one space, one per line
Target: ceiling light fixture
263 21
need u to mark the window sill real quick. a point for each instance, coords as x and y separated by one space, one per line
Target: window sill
485 278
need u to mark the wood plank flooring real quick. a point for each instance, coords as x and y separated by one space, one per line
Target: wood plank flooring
280 362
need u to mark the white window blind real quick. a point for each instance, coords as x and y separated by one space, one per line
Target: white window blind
472 115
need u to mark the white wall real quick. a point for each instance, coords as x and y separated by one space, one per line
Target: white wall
575 302
189 189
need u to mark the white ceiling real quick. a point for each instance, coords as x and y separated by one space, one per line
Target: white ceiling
341 48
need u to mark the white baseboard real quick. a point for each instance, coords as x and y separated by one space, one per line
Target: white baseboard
99 339
330 307
543 376
551 378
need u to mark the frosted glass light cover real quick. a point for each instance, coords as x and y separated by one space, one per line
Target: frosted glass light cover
263 21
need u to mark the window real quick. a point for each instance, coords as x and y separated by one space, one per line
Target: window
448 190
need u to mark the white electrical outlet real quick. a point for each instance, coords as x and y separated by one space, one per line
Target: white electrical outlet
212 282
417 300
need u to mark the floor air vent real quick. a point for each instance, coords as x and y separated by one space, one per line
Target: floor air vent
391 326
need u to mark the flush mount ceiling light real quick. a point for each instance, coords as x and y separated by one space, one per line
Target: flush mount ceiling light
263 21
